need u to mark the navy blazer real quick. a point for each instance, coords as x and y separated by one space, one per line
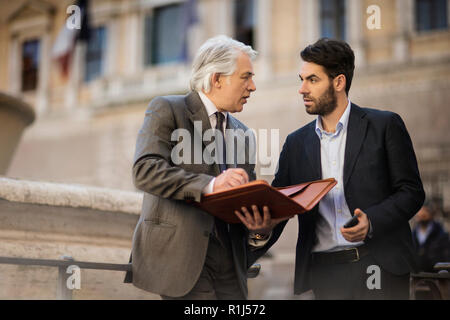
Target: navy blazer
381 177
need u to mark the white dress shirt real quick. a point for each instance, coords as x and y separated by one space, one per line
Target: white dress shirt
333 208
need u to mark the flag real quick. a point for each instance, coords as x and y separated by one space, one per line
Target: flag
65 43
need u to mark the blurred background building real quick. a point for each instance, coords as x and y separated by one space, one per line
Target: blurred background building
90 90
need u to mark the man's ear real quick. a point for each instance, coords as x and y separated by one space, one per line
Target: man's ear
340 83
215 80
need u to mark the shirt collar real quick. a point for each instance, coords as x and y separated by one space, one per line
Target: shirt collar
209 105
342 124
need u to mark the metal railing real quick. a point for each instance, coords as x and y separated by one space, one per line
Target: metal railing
63 290
436 283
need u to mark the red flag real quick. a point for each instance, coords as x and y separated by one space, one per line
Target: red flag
67 38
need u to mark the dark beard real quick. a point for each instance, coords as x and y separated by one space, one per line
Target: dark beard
326 104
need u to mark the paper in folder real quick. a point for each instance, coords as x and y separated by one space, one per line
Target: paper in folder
282 202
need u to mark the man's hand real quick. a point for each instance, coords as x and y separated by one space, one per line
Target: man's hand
359 232
230 178
257 224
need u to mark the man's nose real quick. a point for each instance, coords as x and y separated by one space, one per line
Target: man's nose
303 89
251 85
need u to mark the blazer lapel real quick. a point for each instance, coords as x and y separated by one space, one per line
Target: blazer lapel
312 150
356 133
196 112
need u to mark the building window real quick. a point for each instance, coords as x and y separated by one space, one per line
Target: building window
431 15
95 53
244 21
164 35
332 19
30 65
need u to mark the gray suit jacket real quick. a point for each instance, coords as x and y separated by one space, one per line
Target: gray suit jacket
171 237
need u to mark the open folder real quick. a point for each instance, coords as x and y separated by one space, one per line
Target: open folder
282 202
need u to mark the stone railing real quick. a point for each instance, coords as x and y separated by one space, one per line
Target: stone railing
48 222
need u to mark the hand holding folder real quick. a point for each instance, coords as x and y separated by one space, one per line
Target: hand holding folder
282 202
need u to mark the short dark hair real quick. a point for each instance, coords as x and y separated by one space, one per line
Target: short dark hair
335 56
430 204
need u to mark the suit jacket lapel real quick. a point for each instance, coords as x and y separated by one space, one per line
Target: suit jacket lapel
196 112
356 133
312 149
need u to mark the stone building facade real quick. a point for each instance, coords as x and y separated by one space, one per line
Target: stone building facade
86 130
87 122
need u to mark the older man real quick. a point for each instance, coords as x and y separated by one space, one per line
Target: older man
180 251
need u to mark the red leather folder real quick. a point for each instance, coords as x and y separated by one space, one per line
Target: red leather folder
282 202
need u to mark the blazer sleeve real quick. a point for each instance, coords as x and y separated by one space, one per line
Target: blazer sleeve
153 171
408 194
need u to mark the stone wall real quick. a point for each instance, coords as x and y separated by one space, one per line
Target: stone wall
49 220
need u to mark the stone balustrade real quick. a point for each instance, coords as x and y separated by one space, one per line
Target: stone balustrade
43 220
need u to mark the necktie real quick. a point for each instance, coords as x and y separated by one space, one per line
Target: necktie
221 228
222 151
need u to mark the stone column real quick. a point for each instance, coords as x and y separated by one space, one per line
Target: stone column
405 25
224 17
355 23
310 31
42 91
75 76
264 37
15 65
134 39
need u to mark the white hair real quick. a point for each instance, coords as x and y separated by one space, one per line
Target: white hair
216 55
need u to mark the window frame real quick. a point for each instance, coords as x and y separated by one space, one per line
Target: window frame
415 14
24 72
148 61
104 47
339 19
252 29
